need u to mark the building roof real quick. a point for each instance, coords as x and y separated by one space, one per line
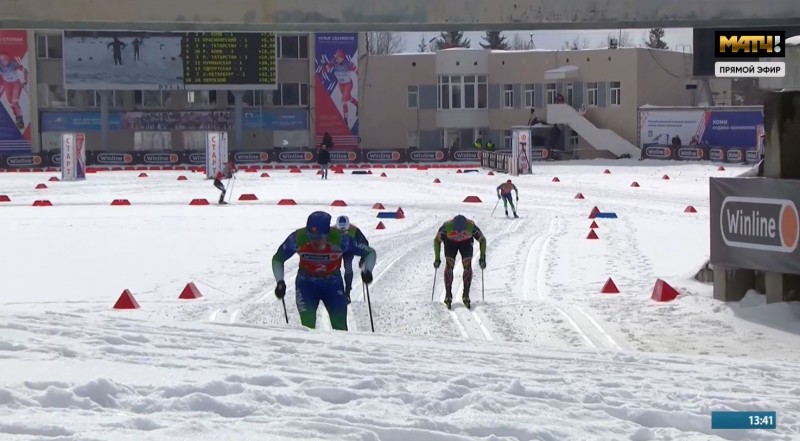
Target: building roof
793 41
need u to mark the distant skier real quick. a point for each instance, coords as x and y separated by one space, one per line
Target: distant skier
226 173
13 79
137 43
117 47
504 193
319 277
343 224
457 235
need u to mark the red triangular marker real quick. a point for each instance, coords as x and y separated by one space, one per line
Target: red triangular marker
592 235
594 225
190 292
610 287
662 292
126 301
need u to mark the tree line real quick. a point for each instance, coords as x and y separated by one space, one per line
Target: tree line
386 43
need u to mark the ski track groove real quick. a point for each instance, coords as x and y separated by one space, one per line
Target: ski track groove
589 329
467 321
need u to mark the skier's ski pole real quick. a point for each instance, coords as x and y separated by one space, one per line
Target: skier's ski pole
230 195
433 291
483 294
285 314
369 306
495 207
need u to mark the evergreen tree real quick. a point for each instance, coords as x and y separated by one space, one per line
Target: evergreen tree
452 39
423 45
495 40
655 39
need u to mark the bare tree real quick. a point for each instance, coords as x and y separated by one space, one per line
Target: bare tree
518 43
575 44
424 45
384 43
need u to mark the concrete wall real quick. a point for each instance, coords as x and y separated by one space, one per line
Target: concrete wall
364 15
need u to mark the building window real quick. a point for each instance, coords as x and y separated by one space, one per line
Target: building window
507 139
591 94
201 98
291 94
572 143
74 98
293 47
49 46
250 98
412 139
508 96
552 93
116 98
462 92
152 98
530 96
616 93
52 95
413 97
152 141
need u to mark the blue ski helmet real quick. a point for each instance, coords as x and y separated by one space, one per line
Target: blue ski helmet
460 223
318 224
343 223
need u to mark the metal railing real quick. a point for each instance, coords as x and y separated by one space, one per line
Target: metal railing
497 161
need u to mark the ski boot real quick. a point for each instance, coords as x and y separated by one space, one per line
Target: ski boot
448 299
515 215
222 199
506 213
465 299
347 296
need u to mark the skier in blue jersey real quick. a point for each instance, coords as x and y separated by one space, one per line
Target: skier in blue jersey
319 277
343 224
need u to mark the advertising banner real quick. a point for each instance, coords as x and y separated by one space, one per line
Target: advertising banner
427 156
392 156
521 151
15 102
158 158
336 91
216 153
73 156
241 157
103 158
295 156
20 160
755 224
345 156
186 120
718 135
472 155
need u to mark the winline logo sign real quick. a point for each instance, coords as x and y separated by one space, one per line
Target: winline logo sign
760 224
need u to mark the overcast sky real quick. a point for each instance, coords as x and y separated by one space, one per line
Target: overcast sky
679 39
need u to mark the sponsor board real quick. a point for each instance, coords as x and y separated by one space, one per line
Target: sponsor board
196 158
751 156
427 156
250 157
107 158
299 156
734 155
22 161
466 155
384 156
690 153
540 154
755 224
759 223
344 156
161 159
716 154
658 152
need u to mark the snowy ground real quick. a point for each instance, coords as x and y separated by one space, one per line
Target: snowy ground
545 356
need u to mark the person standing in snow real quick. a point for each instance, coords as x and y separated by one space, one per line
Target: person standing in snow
117 46
226 173
343 224
457 235
319 278
324 160
504 193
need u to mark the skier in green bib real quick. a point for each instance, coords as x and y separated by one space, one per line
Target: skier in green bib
457 235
